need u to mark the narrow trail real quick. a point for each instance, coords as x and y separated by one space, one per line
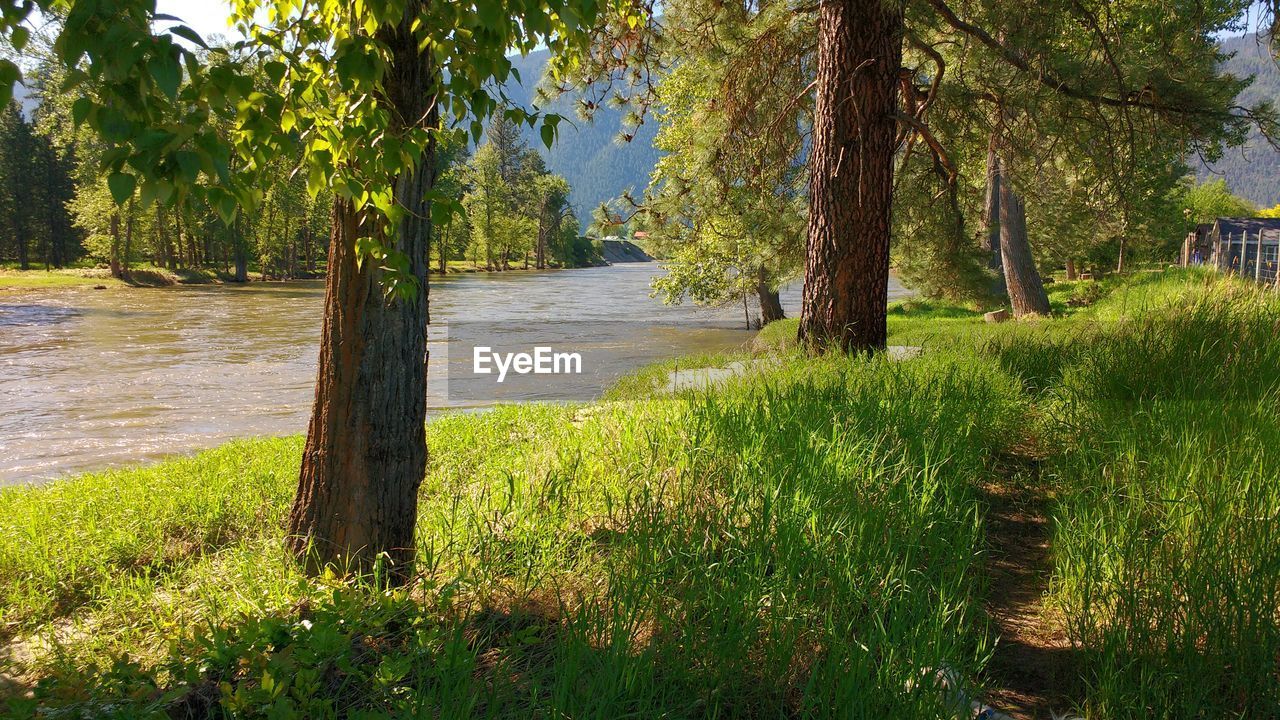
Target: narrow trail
1030 675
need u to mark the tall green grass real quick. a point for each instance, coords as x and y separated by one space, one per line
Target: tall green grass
1168 527
802 540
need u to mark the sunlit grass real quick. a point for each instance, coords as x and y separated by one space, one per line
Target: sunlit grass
798 541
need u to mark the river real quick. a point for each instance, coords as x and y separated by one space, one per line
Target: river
92 379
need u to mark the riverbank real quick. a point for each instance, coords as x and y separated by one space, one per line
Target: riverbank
143 276
809 539
151 276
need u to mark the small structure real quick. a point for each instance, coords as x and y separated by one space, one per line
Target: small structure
1249 247
1197 248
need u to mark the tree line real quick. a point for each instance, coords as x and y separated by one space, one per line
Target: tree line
57 208
985 156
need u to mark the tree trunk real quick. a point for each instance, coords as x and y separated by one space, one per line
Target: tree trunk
366 450
770 303
1026 291
991 219
851 190
117 270
1071 270
126 255
543 229
240 250
24 261
444 251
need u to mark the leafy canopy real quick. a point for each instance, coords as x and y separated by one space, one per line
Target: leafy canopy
154 90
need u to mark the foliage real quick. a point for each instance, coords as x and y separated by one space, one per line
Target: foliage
35 185
725 208
1208 201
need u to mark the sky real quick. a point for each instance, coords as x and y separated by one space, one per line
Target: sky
207 17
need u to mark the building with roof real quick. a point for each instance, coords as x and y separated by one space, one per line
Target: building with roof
1249 247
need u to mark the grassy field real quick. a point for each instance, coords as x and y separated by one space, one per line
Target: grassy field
807 540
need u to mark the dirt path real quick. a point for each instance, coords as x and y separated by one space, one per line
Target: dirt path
1030 674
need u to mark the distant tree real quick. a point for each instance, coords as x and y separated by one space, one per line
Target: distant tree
1209 200
553 212
886 76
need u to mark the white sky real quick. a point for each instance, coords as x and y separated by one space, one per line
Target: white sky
207 17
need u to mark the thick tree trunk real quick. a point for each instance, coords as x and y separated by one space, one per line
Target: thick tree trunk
851 190
366 450
1071 270
1026 291
991 219
770 303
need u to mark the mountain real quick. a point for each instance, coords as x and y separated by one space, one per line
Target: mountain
587 153
1253 170
599 167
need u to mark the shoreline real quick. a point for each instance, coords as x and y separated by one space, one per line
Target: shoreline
151 277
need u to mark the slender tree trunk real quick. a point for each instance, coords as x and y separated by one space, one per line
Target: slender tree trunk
851 190
444 250
543 229
24 261
770 303
991 219
240 250
1026 291
117 270
126 255
366 450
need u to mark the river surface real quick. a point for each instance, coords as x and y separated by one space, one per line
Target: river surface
91 379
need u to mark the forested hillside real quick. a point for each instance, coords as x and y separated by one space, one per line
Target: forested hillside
1252 171
588 154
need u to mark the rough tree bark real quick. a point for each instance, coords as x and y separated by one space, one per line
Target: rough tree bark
1026 291
1071 270
770 303
366 452
851 191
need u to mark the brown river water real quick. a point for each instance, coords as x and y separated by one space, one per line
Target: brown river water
92 379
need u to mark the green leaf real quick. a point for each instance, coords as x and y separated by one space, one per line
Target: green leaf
275 70
548 134
9 74
19 37
190 164
80 110
167 74
188 34
121 186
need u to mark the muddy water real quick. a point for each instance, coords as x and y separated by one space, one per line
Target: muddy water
94 379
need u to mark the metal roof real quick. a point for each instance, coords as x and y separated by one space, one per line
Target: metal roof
1235 226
